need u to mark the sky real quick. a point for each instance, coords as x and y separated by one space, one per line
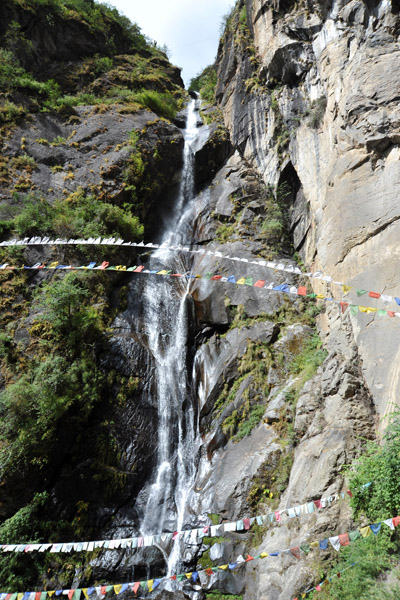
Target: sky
189 29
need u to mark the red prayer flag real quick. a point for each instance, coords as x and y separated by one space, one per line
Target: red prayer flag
173 577
135 587
70 594
249 558
374 295
318 503
349 493
302 291
396 521
139 269
37 596
390 313
260 283
318 588
344 539
209 571
216 277
344 306
176 533
103 590
338 575
246 523
295 552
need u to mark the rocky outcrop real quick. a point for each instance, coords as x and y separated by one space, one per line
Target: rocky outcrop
323 103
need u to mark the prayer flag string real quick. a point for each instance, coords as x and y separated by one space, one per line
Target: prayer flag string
336 542
259 284
192 535
278 266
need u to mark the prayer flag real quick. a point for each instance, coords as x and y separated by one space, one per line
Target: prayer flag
344 539
361 292
374 295
260 283
365 531
354 535
334 540
375 527
295 552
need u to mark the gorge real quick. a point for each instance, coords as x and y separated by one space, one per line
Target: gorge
136 405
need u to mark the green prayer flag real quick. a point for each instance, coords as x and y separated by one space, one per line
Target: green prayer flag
109 588
311 295
207 276
248 281
181 577
354 535
382 312
361 292
305 548
353 309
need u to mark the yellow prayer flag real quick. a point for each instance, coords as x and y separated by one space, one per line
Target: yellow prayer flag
223 567
53 265
164 272
150 584
346 289
314 544
84 590
120 268
21 595
365 531
320 296
117 588
188 575
264 554
241 281
51 593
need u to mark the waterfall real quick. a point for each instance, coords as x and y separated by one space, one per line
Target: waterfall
166 312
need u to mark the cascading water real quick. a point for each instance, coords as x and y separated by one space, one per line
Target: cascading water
166 310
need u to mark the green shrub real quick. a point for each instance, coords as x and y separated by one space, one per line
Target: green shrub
380 465
76 216
164 105
205 83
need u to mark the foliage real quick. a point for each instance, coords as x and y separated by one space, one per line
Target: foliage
365 580
380 465
307 361
218 596
375 556
251 421
78 215
164 105
205 83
